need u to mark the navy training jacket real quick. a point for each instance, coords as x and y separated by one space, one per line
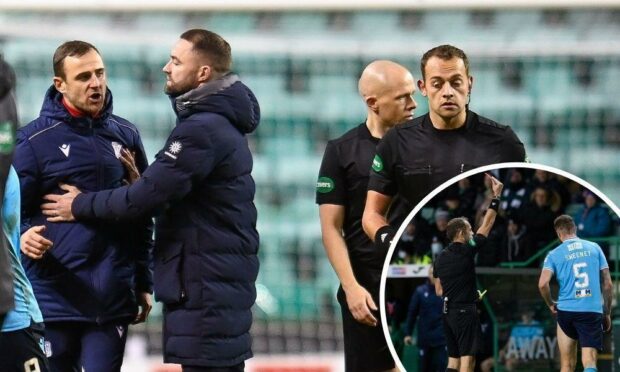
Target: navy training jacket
206 242
428 307
94 268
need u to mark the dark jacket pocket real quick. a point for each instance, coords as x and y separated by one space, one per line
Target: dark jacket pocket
168 274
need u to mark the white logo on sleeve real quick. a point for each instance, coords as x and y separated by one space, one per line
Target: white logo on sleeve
174 149
65 149
117 149
383 236
120 330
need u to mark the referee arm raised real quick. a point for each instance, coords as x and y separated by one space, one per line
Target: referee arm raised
487 222
489 216
455 269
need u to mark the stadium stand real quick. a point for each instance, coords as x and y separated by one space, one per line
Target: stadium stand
551 74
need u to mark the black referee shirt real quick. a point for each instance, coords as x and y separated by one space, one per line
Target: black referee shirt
414 158
343 180
456 269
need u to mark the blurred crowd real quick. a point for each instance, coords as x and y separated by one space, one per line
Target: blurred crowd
530 201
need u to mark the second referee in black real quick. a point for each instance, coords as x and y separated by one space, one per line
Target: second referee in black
455 269
421 154
387 90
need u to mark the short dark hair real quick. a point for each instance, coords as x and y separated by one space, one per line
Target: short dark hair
455 226
565 224
212 46
445 52
70 49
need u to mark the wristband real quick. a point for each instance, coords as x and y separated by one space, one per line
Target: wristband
494 204
383 237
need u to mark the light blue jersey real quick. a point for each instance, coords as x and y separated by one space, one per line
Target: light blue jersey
26 307
577 265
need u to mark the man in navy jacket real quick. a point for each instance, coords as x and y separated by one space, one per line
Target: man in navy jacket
88 277
427 306
200 185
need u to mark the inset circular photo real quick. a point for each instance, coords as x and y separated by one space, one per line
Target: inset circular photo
504 268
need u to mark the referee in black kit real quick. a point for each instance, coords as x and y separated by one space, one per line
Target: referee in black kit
418 156
455 269
387 89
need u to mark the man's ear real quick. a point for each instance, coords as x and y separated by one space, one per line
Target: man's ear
371 102
422 87
60 85
204 73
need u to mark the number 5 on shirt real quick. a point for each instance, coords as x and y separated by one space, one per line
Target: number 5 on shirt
583 276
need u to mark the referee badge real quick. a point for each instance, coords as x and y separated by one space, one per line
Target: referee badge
377 164
324 185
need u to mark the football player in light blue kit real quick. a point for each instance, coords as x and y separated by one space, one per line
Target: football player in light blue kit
21 338
584 302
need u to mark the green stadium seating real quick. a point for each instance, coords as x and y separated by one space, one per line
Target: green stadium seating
308 96
381 22
230 22
303 22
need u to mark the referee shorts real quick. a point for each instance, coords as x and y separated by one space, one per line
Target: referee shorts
365 347
462 329
586 327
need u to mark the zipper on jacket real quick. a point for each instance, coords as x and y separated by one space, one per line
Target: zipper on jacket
100 186
182 277
100 177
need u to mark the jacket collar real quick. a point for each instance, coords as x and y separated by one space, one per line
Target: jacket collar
197 95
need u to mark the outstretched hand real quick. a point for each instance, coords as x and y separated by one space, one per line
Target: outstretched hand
496 186
58 208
